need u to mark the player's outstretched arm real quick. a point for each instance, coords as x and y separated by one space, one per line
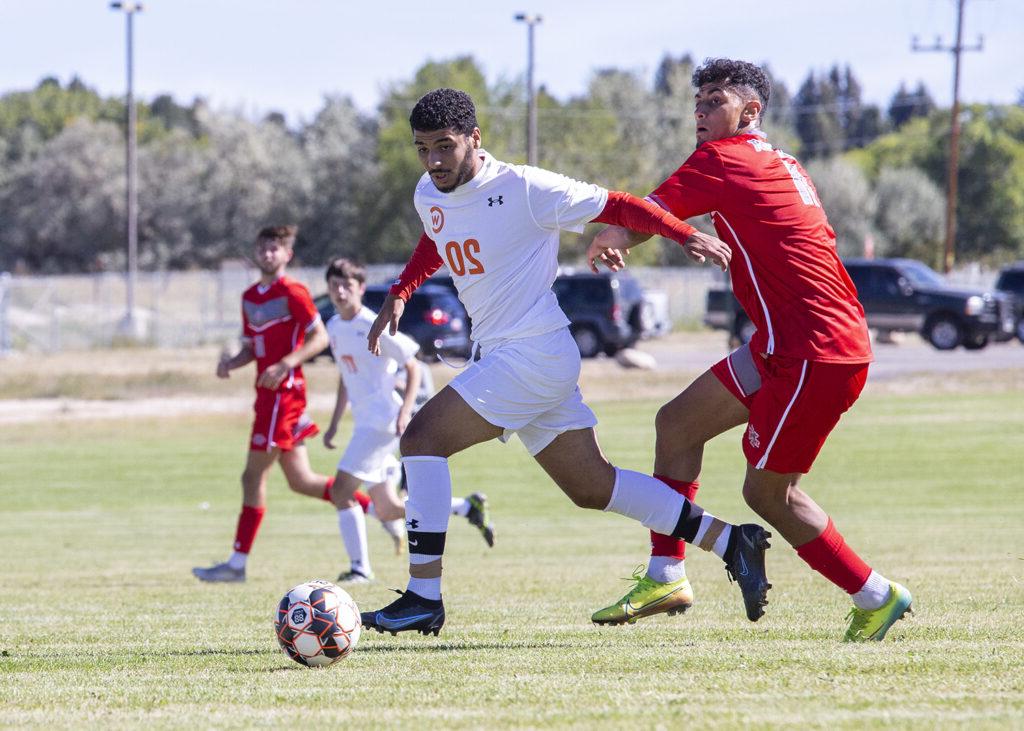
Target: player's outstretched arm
388 317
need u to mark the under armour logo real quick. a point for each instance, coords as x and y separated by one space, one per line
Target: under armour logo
492 201
412 524
753 437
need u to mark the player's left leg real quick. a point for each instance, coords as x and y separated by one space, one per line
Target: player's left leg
575 462
789 423
444 426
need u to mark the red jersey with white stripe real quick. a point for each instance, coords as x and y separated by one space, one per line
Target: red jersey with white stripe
785 270
275 320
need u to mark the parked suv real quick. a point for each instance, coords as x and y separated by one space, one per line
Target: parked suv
1011 281
902 295
433 317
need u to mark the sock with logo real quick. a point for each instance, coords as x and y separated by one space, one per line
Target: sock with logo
829 555
426 520
248 526
352 525
668 552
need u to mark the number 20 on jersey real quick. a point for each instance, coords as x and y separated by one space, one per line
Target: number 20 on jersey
461 255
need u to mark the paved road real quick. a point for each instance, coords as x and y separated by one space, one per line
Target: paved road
696 351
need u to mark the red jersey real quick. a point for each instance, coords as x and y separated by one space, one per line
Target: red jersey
275 320
785 270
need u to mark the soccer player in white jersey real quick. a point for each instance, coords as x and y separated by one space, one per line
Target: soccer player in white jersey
496 227
368 383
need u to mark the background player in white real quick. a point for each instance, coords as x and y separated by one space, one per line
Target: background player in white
368 383
497 226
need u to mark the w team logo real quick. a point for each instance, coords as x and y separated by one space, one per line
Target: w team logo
753 437
436 219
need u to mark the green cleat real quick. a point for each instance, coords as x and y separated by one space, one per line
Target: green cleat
480 517
872 624
646 598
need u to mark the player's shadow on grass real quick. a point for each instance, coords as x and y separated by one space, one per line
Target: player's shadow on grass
462 646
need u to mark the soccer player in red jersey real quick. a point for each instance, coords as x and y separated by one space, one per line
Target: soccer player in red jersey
804 367
281 329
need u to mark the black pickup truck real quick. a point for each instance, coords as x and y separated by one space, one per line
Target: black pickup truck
901 295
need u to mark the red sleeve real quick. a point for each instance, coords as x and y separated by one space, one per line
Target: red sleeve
695 188
302 307
423 262
623 209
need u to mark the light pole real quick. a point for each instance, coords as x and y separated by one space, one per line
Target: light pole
129 325
531 98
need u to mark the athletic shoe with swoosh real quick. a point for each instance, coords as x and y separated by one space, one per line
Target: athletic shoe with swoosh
746 567
646 598
410 612
872 624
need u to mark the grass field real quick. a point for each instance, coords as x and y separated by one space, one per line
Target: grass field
103 626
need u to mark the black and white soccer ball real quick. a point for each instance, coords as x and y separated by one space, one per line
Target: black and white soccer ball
317 623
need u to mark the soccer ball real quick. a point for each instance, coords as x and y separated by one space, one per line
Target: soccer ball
317 623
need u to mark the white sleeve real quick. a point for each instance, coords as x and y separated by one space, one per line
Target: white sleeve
559 202
399 347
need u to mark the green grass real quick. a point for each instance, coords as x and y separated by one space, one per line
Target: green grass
102 625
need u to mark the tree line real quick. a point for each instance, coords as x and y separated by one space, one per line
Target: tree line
208 179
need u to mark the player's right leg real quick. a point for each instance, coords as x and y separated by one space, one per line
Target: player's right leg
254 500
352 526
444 426
684 425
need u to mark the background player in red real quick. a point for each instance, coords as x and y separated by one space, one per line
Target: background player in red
805 366
281 329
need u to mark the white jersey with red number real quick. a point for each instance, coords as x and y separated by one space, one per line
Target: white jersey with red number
498 236
369 379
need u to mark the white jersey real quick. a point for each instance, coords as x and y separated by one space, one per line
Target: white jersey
369 379
498 236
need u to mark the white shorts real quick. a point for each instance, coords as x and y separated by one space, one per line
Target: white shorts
528 387
370 455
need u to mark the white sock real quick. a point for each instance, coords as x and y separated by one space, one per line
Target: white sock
646 499
873 594
664 569
394 527
721 543
237 560
427 512
352 524
460 506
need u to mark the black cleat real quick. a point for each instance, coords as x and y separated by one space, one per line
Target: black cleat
480 517
745 566
409 612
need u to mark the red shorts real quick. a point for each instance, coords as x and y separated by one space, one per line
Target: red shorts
281 420
793 409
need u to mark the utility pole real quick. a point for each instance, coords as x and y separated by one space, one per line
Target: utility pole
129 326
956 49
531 97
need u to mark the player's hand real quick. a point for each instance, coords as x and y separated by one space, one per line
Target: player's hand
329 436
610 247
223 367
701 246
402 422
388 317
273 376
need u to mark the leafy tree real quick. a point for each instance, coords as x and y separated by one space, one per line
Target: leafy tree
848 200
910 217
906 105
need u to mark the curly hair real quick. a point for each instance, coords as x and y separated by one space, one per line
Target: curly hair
444 109
737 74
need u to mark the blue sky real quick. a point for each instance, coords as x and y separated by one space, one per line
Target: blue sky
258 55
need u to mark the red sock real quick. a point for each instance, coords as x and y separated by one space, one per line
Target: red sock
362 498
248 525
327 489
662 545
829 555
